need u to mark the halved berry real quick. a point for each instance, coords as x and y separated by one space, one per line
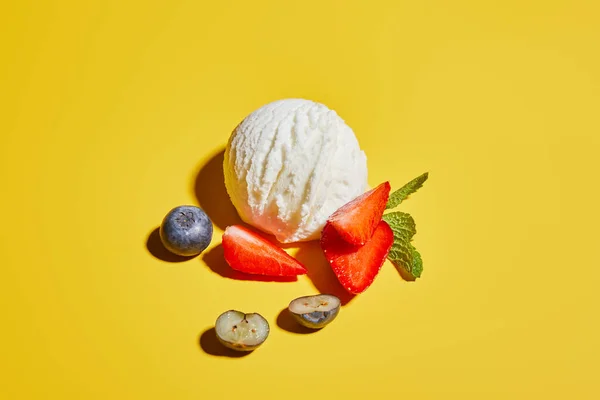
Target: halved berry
357 266
356 221
248 252
315 311
240 331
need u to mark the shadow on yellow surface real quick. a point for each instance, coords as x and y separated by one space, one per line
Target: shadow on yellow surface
320 273
158 250
217 205
212 196
286 322
209 343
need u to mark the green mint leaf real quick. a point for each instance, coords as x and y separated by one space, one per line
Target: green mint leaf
402 194
402 224
403 254
417 264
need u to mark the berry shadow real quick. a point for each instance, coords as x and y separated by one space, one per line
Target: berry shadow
158 250
209 188
286 321
320 273
209 343
215 260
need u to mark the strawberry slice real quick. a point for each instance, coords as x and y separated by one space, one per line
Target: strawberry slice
248 252
356 221
356 266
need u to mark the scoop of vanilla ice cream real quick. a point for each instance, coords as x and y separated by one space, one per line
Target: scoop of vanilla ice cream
291 164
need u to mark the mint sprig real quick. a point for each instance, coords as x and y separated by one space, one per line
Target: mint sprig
417 262
402 194
403 254
402 224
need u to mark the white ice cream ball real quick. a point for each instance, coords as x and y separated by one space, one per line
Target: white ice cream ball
289 165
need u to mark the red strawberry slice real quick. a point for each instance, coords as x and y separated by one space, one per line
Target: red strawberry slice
356 220
356 266
248 252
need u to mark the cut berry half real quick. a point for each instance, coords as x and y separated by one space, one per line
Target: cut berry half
240 331
315 311
248 252
356 221
357 266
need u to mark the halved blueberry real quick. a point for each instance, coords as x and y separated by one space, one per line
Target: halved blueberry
242 332
315 311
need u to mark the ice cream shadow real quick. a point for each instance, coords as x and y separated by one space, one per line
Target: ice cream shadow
215 260
320 273
209 188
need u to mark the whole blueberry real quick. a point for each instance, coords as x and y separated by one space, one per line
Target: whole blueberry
186 231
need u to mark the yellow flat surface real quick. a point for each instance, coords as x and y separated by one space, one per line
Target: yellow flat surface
113 112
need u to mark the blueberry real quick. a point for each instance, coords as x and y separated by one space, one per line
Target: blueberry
315 311
186 231
240 331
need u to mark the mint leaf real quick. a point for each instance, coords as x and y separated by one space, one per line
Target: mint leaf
407 260
402 194
402 224
417 263
403 254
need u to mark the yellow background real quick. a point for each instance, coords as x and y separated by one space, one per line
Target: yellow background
113 112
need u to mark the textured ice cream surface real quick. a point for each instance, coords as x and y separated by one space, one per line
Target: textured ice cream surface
289 165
